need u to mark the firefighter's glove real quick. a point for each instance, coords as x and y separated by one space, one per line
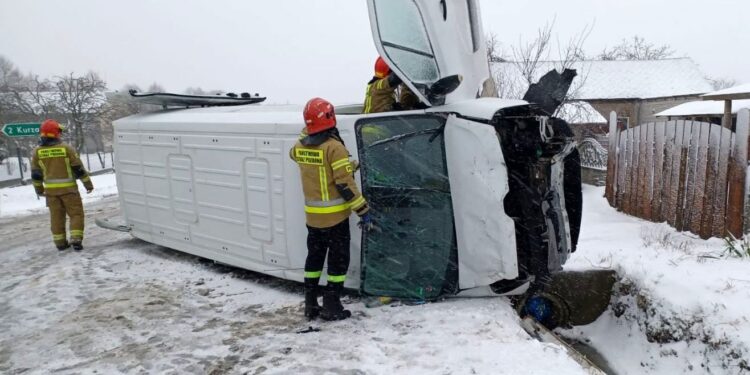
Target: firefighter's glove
355 165
366 224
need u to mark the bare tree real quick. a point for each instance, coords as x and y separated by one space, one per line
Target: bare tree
637 48
528 55
531 59
722 83
24 98
82 100
494 48
155 87
194 91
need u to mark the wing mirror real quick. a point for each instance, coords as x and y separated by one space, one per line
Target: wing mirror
443 87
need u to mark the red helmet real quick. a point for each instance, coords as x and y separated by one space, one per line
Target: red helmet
381 68
50 129
319 116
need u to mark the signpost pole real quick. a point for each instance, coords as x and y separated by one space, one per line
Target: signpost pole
20 162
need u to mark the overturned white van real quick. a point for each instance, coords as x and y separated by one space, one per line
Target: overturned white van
473 195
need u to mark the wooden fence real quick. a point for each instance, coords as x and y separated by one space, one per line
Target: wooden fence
687 173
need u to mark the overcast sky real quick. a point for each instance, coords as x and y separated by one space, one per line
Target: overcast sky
291 50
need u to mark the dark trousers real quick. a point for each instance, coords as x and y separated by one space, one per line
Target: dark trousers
333 241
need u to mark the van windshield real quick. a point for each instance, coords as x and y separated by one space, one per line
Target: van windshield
405 180
405 39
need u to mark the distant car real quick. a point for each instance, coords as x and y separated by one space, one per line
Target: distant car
473 196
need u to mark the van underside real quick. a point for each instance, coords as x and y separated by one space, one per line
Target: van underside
545 191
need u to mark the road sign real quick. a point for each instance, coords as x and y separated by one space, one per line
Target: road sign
26 129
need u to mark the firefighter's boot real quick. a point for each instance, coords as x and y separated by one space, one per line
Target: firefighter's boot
62 245
77 245
312 309
332 308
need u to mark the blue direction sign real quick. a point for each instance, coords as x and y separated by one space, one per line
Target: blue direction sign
26 129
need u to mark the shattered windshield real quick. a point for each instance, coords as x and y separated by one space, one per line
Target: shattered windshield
405 180
405 40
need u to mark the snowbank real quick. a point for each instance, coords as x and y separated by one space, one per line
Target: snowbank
22 200
682 303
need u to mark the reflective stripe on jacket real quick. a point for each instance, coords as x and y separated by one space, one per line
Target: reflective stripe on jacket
331 193
55 168
379 97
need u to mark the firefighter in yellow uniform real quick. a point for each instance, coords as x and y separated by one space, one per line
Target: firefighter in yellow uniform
381 94
331 194
55 166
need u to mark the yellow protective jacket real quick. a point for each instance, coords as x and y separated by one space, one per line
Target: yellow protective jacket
55 166
331 194
380 96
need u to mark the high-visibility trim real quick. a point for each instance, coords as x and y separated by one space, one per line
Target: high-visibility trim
358 203
86 179
67 166
337 278
368 99
75 233
326 210
330 203
43 167
58 237
55 152
313 274
340 163
323 184
59 180
59 185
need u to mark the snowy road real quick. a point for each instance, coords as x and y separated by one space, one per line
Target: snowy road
126 306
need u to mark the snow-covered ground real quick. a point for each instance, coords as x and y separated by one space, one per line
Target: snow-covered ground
123 305
9 167
22 200
679 292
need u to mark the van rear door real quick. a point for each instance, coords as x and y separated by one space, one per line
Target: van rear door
426 40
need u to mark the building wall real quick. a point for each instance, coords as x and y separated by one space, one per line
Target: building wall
593 130
624 109
639 111
650 107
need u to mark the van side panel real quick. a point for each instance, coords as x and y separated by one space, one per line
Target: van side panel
130 182
231 194
156 148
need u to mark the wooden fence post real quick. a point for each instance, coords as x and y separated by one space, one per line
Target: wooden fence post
738 171
611 189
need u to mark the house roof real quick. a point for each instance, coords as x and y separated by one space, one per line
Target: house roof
703 108
580 113
620 79
736 92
